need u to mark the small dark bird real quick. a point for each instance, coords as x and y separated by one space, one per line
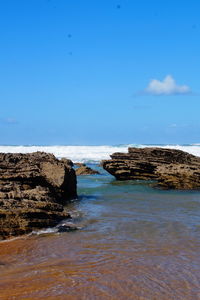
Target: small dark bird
118 6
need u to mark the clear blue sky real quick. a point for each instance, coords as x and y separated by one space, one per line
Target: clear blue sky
77 72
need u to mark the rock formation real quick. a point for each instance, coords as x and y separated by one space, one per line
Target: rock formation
85 170
33 189
171 168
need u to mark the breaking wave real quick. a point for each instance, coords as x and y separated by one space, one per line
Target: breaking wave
92 154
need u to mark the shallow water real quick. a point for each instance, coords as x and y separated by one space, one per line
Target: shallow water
136 242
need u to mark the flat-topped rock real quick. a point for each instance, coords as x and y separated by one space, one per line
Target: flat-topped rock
171 168
33 189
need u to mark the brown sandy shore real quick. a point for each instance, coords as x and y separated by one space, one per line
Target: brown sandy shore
85 265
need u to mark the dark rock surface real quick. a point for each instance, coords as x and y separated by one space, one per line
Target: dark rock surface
171 168
33 189
67 226
85 170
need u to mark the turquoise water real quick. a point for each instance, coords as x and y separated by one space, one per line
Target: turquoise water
138 209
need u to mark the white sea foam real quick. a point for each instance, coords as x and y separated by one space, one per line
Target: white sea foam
75 153
91 153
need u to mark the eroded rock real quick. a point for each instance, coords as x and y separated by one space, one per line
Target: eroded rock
33 189
171 168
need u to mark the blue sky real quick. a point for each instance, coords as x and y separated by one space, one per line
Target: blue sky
80 72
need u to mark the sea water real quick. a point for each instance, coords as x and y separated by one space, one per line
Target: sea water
92 153
136 242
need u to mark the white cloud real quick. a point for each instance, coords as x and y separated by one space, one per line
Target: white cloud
166 87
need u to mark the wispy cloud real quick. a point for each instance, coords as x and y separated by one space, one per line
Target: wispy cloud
166 87
174 125
8 121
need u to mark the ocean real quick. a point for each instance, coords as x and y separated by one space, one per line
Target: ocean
92 154
135 242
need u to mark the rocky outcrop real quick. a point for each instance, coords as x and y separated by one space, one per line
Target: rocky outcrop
85 170
33 189
67 162
171 168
